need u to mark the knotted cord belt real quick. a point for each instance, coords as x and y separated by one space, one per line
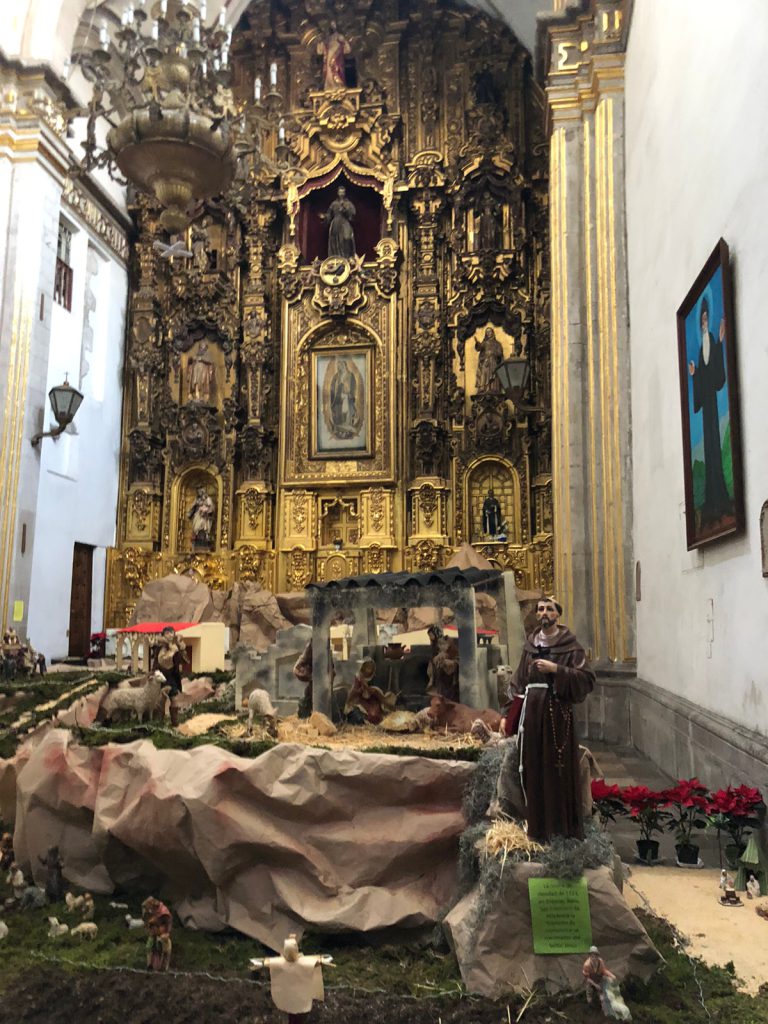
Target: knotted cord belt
521 731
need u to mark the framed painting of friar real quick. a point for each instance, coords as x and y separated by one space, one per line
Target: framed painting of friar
341 385
709 395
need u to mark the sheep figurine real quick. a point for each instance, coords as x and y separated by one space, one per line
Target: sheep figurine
89 907
73 902
3 930
87 930
136 700
118 906
56 930
133 922
259 703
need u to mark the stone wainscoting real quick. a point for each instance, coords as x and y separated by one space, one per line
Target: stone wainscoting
682 738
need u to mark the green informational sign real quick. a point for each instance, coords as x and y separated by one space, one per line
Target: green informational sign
560 915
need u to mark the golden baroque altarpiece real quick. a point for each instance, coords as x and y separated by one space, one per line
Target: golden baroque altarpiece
296 410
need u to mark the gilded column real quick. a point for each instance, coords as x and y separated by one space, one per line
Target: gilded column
255 495
590 345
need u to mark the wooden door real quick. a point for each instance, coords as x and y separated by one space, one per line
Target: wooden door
80 601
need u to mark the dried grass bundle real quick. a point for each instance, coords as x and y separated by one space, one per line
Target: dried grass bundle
507 837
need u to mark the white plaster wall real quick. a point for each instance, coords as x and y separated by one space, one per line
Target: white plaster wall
696 158
77 495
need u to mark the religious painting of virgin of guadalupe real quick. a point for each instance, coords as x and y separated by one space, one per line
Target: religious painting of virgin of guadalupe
714 495
342 414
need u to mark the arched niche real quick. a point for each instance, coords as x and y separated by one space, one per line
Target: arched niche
186 493
500 477
368 223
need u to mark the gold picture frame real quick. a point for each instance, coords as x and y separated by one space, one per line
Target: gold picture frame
342 403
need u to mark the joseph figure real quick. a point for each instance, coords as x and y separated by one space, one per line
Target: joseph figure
552 676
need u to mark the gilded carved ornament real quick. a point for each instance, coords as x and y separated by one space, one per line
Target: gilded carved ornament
377 509
425 555
375 559
134 569
339 285
252 565
208 568
253 503
299 568
299 511
428 504
141 507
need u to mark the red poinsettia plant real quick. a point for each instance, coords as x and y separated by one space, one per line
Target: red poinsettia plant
608 800
646 807
737 811
688 800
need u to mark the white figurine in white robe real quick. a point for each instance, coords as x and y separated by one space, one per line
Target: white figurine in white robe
295 980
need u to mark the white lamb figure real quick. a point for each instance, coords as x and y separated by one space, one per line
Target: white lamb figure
73 902
259 703
133 922
56 929
88 930
138 700
3 930
118 906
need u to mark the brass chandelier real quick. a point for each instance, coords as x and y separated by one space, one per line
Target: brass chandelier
163 82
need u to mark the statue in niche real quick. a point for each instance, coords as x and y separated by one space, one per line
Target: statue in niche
492 517
199 248
201 377
202 514
341 234
334 48
491 357
488 226
485 88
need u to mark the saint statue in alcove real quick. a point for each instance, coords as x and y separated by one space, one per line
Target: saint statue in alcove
490 358
341 234
202 514
493 520
201 377
334 48
488 226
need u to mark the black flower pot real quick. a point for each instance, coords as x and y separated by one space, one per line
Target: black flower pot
648 850
687 853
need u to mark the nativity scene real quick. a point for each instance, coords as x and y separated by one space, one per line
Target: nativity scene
368 648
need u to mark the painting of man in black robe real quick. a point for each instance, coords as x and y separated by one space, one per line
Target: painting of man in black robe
708 379
711 448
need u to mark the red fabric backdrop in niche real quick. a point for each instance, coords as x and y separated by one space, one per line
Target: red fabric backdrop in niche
313 232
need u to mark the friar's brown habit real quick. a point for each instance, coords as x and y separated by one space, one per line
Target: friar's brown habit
548 745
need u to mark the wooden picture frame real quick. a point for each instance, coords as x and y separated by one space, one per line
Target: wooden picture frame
342 403
709 404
